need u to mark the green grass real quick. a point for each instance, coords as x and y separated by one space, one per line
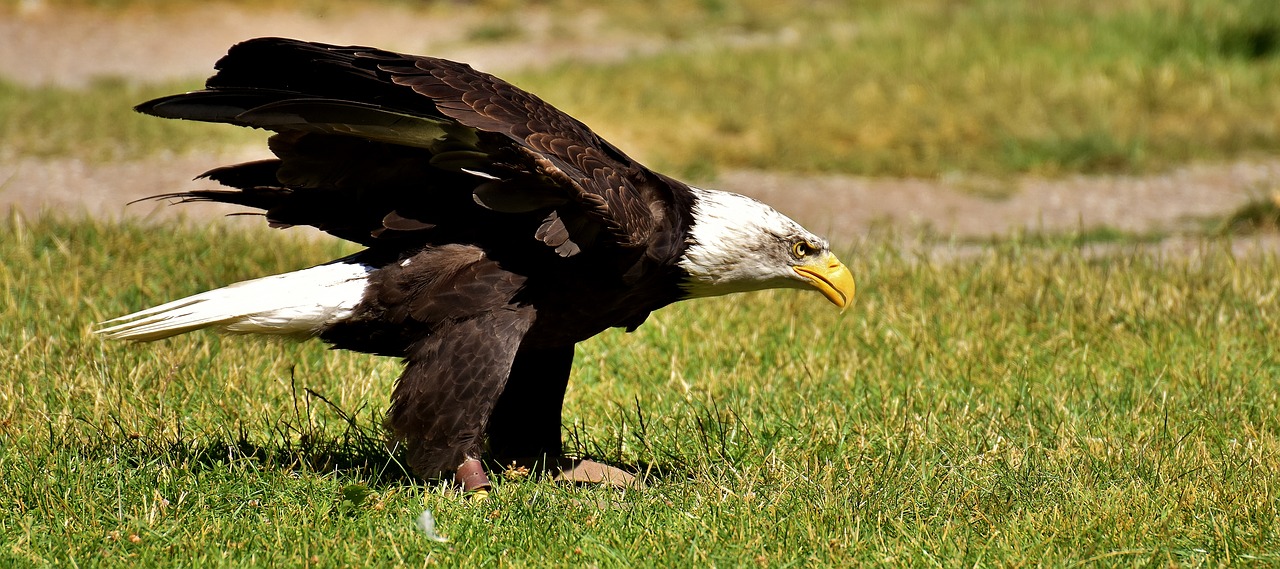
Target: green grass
1027 406
919 88
99 123
926 88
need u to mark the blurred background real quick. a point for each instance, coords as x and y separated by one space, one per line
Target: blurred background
1129 119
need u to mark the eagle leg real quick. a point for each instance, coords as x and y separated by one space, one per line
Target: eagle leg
443 400
525 428
525 424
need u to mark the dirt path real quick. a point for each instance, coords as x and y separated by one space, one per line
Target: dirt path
1173 202
182 44
844 207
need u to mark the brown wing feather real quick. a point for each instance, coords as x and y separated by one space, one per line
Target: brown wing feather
602 178
444 114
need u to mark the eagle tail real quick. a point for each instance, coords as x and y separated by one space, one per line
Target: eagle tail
301 303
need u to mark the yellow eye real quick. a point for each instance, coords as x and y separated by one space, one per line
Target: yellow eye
802 248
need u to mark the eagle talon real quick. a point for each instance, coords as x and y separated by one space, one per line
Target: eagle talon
582 471
574 471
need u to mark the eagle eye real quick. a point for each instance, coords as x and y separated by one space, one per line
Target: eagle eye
802 249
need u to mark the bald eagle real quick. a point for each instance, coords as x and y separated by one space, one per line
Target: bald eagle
499 232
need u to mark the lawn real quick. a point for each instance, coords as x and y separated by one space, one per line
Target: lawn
1032 403
1028 405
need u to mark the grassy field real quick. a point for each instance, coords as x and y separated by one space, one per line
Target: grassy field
921 88
1030 405
1027 406
926 88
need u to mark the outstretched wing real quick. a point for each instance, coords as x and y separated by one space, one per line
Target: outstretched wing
374 145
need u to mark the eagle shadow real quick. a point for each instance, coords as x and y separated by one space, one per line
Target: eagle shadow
306 441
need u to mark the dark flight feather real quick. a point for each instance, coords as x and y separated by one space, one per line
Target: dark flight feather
447 109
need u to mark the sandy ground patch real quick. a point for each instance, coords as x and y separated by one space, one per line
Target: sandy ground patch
844 207
1176 201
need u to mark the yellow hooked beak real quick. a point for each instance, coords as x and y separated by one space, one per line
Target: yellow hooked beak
830 277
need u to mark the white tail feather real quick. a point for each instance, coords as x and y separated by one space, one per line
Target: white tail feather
299 303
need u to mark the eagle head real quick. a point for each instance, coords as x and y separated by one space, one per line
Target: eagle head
738 244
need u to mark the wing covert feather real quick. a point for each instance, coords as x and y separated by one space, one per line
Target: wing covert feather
464 122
